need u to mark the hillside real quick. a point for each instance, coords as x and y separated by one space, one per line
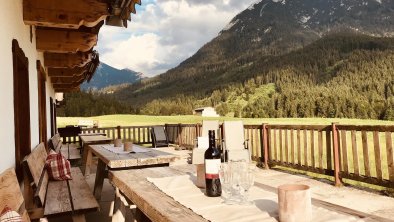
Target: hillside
108 76
314 57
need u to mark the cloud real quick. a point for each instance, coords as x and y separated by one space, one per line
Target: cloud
165 32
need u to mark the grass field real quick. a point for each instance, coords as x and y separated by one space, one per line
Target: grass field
142 120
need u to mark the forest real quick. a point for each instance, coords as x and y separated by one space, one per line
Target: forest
340 75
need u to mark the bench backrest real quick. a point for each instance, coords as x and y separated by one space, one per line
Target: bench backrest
34 165
56 143
11 195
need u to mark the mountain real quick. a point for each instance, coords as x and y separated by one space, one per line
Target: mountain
278 52
107 76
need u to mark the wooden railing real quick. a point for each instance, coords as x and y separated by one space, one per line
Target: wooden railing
360 153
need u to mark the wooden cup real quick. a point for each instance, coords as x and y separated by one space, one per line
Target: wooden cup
117 142
128 146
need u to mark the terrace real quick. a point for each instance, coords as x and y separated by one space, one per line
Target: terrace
339 162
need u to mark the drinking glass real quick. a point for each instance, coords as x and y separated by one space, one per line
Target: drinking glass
247 181
225 180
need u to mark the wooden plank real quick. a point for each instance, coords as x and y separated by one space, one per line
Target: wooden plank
381 128
280 146
390 156
74 154
152 202
299 146
364 140
42 188
313 148
320 145
355 153
36 162
98 184
275 147
344 151
378 161
300 127
365 179
82 197
10 193
305 148
292 146
286 147
57 198
328 150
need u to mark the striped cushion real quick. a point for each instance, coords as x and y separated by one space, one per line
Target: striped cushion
8 215
58 166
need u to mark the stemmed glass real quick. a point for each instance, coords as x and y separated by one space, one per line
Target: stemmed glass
225 181
247 181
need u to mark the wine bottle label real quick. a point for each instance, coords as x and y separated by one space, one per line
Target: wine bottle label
212 168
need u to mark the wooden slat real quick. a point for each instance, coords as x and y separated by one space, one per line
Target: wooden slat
301 127
305 148
329 149
42 188
299 147
275 147
286 146
313 148
364 140
387 128
292 145
355 153
82 196
344 151
378 161
390 156
57 199
320 145
280 146
10 193
36 162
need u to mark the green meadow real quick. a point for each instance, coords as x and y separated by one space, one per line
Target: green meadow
143 120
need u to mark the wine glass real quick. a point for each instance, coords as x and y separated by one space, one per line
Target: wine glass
247 181
225 180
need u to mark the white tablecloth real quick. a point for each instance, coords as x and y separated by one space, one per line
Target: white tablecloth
120 150
183 190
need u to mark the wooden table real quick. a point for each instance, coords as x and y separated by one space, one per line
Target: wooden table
90 140
114 161
152 202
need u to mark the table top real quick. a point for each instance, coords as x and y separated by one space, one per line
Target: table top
148 198
114 160
95 139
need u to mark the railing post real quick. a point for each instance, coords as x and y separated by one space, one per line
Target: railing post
335 145
179 134
265 145
118 130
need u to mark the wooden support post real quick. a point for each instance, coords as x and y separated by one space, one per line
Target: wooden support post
265 145
179 134
118 131
335 145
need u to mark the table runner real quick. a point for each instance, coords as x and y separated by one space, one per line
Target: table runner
183 190
120 150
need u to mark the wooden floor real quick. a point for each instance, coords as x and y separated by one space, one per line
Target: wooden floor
370 206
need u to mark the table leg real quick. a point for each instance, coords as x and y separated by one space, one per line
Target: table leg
140 216
87 159
98 183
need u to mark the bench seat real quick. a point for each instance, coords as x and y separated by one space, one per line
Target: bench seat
58 197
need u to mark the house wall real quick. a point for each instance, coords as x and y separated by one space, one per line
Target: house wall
12 27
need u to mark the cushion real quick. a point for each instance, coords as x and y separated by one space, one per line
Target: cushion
58 166
8 215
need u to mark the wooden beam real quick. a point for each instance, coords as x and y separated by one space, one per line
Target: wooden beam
67 60
64 14
65 41
67 80
76 89
66 72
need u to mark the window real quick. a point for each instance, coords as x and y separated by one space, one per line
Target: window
21 106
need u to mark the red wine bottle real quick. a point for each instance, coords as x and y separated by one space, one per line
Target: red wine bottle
212 165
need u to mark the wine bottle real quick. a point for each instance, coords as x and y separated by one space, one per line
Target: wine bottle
212 165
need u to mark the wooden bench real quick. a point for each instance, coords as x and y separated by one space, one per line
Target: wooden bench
11 195
69 150
57 197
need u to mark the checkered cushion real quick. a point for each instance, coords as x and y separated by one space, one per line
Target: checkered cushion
58 166
8 215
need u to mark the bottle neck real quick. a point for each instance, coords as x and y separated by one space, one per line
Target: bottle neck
211 140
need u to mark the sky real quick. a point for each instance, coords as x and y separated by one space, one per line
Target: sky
164 33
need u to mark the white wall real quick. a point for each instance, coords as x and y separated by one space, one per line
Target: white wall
12 27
